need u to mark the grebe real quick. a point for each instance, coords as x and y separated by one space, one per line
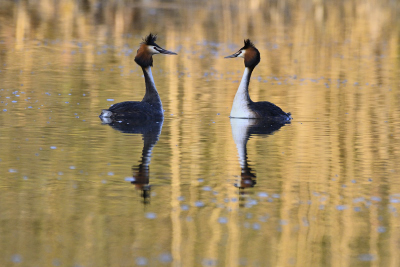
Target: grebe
243 107
150 107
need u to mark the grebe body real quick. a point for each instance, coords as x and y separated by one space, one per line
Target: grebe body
243 107
150 107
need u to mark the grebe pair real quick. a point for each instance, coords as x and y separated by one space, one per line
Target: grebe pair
151 107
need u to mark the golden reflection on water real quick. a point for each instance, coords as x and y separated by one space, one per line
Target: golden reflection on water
327 188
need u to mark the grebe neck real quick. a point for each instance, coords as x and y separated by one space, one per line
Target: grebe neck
242 99
151 95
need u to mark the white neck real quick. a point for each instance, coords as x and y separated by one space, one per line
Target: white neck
151 79
240 107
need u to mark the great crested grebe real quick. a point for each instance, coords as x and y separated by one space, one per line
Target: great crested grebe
243 107
150 107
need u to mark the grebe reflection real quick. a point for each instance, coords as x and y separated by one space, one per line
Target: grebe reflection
242 130
150 131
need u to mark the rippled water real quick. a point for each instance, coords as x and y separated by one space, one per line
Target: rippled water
199 189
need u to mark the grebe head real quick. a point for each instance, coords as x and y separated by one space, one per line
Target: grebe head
147 49
250 54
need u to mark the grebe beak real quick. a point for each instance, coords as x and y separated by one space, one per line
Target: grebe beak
234 55
163 51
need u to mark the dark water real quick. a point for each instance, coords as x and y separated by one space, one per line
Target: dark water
321 191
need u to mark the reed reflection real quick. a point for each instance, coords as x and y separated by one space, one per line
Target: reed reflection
242 130
150 131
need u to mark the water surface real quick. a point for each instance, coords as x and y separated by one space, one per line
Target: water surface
207 190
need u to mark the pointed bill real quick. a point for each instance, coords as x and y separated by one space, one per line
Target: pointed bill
163 51
234 55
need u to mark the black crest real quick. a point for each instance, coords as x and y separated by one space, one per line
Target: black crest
150 39
248 44
252 57
143 59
